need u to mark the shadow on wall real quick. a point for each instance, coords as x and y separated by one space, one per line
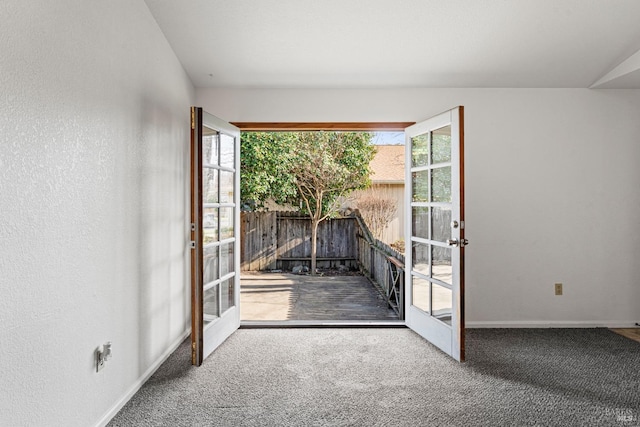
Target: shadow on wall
160 191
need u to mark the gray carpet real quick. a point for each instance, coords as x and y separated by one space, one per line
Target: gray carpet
392 377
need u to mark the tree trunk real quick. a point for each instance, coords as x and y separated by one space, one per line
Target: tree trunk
314 249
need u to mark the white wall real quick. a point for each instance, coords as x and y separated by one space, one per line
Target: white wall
552 190
94 206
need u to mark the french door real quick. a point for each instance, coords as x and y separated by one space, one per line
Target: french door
215 224
434 193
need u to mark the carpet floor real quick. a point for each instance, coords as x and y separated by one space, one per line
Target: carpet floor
392 377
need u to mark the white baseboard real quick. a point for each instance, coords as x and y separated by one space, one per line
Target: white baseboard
143 379
549 324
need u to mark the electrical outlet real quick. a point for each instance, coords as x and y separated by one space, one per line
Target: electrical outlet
99 360
558 288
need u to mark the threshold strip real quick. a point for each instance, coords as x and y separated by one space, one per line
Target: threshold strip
266 324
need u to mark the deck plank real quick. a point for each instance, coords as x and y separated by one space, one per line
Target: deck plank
286 296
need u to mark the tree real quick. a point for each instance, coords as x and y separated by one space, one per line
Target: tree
326 167
313 170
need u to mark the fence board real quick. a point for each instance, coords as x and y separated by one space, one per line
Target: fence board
283 239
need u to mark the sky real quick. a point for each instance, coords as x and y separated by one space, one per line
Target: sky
388 138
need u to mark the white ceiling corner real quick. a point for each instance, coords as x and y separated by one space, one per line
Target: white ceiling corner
409 43
625 75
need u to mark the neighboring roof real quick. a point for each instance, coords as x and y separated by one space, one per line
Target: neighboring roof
388 164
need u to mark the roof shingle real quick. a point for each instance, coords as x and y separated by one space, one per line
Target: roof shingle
388 164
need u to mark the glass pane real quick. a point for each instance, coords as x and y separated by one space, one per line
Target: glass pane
441 303
227 151
226 187
420 218
420 186
210 185
420 258
441 145
441 224
227 297
226 259
209 146
420 150
210 265
210 225
441 185
226 223
420 293
210 304
441 264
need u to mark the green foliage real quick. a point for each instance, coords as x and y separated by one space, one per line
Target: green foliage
307 169
264 170
329 165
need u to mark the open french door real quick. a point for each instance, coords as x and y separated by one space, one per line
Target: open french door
215 220
434 191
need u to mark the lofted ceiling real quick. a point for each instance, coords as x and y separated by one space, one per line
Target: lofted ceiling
404 43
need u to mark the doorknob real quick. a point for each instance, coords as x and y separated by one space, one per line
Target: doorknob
455 242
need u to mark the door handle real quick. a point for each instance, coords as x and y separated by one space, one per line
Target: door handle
455 242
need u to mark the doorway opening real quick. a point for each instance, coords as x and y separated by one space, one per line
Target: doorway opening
340 192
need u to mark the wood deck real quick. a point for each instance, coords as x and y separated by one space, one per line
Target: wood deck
286 296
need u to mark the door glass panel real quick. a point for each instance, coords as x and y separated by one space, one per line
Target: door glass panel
420 258
210 264
209 146
420 150
226 223
210 225
441 264
420 293
227 151
441 223
226 187
420 185
210 304
441 145
441 303
441 185
420 221
226 259
210 185
226 295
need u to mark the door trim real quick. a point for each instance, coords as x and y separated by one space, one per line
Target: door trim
312 126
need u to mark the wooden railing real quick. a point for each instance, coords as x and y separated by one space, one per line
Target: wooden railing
383 265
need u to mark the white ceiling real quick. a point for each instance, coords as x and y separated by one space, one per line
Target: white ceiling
404 43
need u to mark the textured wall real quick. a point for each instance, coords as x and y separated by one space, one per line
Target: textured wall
552 190
94 205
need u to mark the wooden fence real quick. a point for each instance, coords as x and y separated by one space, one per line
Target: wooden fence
282 240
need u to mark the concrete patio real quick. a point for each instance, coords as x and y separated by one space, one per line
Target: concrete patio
286 296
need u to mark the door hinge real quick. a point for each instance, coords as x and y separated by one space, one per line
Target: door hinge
192 244
193 118
193 226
